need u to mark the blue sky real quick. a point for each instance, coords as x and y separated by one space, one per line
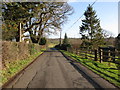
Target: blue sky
107 12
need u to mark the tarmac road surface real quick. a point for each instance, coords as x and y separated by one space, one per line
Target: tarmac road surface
51 70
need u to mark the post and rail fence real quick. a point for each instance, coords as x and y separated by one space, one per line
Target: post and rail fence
101 54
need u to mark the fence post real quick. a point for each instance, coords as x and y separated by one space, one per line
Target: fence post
72 50
78 52
109 57
118 66
101 54
114 54
67 49
86 54
95 52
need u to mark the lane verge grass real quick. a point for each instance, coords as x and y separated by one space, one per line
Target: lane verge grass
14 67
110 73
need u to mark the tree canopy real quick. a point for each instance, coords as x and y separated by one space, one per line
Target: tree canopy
36 18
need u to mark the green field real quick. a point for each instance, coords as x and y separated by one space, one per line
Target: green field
109 72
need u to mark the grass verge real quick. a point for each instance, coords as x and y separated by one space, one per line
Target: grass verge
110 73
16 66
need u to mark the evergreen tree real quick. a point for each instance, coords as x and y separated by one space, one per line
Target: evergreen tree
117 46
65 41
91 29
13 14
117 42
65 44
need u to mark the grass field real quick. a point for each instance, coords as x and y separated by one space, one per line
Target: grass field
110 73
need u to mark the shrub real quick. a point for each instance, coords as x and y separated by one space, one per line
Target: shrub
57 46
65 46
43 41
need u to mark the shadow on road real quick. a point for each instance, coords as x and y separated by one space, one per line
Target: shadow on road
73 63
51 50
85 76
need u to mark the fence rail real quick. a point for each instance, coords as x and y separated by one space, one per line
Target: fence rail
98 55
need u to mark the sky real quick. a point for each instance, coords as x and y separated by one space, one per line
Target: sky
119 17
107 12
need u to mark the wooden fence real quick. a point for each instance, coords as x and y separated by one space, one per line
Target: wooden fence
98 55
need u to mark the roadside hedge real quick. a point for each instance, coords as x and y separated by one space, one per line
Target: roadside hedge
12 51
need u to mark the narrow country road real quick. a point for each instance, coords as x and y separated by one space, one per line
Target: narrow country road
51 70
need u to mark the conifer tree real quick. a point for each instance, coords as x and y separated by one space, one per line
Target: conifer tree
117 42
117 46
65 44
65 41
91 29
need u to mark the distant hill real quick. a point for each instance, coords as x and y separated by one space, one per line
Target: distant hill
109 41
54 41
75 41
71 40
